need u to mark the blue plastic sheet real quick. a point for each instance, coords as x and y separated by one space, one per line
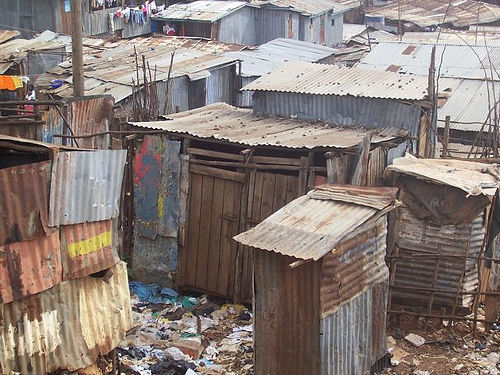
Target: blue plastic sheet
152 293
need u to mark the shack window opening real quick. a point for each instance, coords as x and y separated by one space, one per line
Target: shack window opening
333 22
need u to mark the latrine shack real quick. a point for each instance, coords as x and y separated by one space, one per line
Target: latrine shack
64 297
440 251
321 282
213 172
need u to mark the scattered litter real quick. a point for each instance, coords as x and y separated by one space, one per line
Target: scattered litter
178 335
414 339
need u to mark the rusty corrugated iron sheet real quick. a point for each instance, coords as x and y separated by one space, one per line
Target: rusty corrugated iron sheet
92 115
88 248
415 238
65 327
86 186
308 228
29 267
357 263
24 202
224 122
471 177
319 79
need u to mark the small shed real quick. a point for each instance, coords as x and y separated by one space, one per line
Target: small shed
321 282
256 62
256 22
345 96
442 232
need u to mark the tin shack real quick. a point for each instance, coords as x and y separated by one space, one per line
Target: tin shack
255 22
216 171
346 96
64 297
441 232
321 282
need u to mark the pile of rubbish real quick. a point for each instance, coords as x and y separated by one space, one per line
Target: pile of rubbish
174 334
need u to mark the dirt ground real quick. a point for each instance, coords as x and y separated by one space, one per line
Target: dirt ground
448 349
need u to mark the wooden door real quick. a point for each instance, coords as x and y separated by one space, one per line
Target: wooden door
208 259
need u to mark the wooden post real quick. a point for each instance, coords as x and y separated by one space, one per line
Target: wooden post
446 137
77 48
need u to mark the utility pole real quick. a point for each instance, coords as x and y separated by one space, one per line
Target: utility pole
77 47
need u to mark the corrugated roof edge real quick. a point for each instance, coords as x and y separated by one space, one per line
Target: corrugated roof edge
7 141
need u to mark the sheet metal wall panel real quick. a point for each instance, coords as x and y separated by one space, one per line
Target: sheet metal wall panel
86 186
239 27
220 85
88 248
357 263
97 22
67 326
54 124
24 202
272 24
157 168
350 338
245 98
421 236
340 110
29 267
286 317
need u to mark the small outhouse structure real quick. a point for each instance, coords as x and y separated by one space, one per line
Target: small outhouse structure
321 282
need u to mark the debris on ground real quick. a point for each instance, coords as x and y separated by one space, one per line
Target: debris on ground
442 348
174 334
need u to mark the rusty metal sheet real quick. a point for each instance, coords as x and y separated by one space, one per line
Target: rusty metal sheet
24 202
471 177
29 267
286 322
357 263
221 121
309 228
86 186
6 35
65 327
92 115
88 248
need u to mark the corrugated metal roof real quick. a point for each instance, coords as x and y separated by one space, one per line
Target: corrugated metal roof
319 79
6 35
24 202
67 326
359 34
111 70
86 186
29 267
459 61
309 228
268 56
472 177
448 36
88 248
432 12
469 104
223 122
205 11
306 7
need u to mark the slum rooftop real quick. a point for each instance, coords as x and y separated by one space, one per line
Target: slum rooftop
213 10
320 79
111 70
459 61
311 226
425 13
266 57
223 122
